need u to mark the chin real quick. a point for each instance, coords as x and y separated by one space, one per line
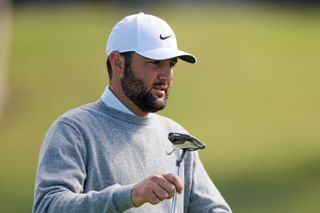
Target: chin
161 103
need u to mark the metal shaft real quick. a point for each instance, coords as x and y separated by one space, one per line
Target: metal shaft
174 199
178 163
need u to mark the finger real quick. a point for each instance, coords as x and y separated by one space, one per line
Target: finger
144 192
167 187
176 181
161 193
150 193
152 198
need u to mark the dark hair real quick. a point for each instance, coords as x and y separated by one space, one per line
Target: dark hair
127 62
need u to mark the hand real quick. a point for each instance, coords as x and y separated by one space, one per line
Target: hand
156 188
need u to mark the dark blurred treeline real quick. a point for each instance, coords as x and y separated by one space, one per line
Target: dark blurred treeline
141 2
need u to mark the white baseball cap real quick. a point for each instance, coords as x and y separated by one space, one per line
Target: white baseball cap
148 36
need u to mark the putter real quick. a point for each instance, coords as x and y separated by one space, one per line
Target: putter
186 143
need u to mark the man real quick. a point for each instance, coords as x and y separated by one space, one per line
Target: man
112 155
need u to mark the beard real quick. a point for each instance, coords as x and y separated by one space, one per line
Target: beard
137 91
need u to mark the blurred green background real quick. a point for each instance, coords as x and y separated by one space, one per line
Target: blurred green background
253 97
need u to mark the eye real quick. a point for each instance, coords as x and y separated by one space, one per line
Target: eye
155 62
172 64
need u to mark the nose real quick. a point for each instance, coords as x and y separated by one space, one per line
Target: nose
166 73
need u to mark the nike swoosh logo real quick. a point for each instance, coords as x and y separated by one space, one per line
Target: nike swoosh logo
164 37
169 153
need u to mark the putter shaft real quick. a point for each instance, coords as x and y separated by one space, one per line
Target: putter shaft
178 163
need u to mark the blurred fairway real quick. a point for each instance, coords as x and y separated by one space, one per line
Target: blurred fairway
253 97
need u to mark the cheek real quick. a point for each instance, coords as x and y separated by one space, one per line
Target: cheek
146 73
149 76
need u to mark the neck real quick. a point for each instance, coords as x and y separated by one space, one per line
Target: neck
118 92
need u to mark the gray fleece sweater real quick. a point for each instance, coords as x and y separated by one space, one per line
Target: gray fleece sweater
92 156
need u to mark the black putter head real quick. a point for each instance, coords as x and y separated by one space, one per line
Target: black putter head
184 141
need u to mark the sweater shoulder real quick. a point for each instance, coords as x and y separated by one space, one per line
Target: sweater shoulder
90 107
79 116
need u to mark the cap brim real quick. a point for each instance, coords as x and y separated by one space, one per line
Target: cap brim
167 53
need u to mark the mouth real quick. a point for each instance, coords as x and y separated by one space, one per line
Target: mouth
160 90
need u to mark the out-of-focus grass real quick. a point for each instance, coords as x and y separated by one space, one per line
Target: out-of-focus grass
252 97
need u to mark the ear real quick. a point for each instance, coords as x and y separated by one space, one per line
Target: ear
117 63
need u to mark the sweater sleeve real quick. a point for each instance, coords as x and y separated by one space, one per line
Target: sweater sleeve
61 177
204 196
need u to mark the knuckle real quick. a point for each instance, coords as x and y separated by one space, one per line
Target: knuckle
154 178
175 178
172 177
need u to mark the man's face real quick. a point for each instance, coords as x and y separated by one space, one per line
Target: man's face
146 82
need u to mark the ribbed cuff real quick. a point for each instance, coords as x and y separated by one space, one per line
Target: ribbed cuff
122 198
